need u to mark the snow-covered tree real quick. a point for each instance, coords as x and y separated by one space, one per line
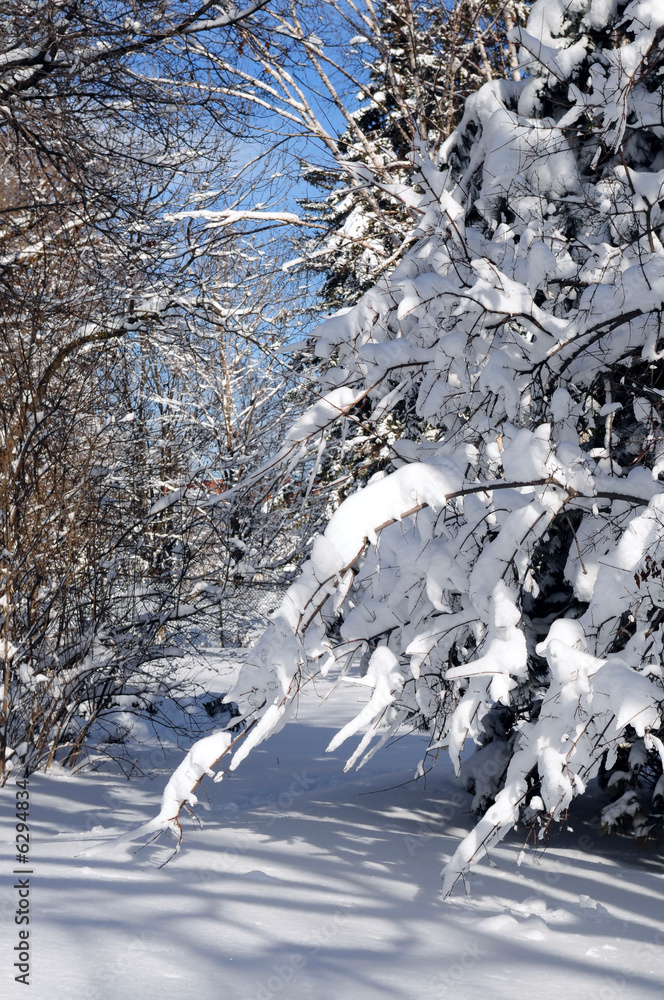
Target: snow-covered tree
419 62
499 584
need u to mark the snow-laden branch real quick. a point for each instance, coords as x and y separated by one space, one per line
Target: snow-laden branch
357 523
228 217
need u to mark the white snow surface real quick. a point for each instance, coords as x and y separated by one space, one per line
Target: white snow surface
305 884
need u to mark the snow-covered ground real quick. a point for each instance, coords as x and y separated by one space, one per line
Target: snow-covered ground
304 882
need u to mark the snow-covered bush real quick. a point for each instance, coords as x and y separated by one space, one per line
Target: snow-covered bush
500 583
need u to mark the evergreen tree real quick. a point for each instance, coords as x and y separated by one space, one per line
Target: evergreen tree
421 61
